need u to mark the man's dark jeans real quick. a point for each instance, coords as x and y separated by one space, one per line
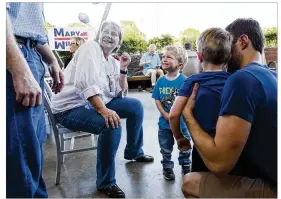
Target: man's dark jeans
25 134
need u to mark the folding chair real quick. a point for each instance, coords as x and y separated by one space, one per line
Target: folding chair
59 133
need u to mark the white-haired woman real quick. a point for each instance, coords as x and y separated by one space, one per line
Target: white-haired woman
93 101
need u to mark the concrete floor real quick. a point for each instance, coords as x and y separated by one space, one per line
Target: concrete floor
137 180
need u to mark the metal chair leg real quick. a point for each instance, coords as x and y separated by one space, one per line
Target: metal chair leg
59 159
72 143
59 162
62 147
94 140
49 121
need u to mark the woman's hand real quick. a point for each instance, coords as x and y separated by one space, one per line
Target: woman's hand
111 117
125 60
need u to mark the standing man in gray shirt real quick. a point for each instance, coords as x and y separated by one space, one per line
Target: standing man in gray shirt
193 65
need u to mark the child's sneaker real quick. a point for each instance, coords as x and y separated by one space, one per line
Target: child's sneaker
186 169
168 174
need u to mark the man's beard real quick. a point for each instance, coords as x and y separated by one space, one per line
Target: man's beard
232 66
234 63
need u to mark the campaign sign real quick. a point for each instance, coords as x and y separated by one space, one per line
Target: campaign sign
60 38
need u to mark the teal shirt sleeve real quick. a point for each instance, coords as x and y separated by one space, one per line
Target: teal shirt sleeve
155 93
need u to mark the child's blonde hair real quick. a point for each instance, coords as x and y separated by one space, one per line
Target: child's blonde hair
215 45
179 53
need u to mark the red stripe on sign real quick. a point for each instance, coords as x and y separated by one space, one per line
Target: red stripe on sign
63 38
67 38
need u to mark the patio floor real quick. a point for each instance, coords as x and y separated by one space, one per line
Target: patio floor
137 180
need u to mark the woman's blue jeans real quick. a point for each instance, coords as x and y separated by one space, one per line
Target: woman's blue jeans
89 120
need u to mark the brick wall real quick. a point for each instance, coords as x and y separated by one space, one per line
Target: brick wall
271 54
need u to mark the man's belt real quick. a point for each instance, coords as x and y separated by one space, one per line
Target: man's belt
26 42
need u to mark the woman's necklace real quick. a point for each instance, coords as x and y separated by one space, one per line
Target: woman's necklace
109 70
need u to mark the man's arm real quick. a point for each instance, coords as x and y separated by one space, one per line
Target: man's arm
56 72
15 61
142 62
175 114
26 87
221 153
46 53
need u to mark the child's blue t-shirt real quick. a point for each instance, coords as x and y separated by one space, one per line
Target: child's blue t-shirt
166 91
207 105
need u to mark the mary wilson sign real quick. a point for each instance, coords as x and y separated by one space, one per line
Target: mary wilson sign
60 38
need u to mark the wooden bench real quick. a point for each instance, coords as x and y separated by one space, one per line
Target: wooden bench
141 78
138 78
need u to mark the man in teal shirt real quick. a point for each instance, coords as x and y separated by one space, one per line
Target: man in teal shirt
150 62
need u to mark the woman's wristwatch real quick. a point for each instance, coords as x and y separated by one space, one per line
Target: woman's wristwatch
124 72
122 94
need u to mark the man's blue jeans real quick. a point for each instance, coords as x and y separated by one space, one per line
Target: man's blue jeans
166 142
89 120
25 134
